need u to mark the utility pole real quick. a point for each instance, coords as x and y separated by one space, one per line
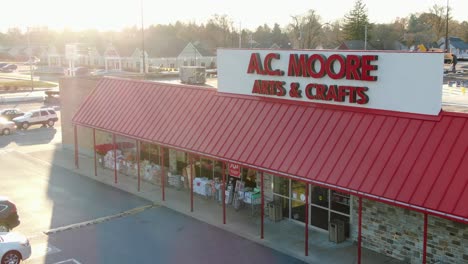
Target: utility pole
142 39
446 29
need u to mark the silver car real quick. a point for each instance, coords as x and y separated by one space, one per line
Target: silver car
7 127
14 248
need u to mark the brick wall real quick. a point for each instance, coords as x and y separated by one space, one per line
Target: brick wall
398 233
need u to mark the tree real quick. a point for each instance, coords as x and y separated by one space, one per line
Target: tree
356 21
305 32
419 31
221 30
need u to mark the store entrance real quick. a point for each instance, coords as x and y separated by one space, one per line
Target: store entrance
291 195
298 199
325 205
329 206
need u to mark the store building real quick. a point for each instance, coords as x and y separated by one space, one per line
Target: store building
351 143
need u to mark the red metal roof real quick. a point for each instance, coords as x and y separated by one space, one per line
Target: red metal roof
407 160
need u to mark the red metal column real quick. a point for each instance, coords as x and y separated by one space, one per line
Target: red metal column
162 174
75 133
138 162
94 147
223 193
307 220
425 239
359 230
191 183
262 208
114 145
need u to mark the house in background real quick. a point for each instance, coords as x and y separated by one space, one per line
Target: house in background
94 58
164 62
456 46
112 59
194 54
394 45
134 61
355 45
52 57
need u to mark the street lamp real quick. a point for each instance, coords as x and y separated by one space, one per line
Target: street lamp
446 29
30 60
142 39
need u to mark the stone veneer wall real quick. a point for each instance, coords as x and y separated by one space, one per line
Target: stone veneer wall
398 233
447 241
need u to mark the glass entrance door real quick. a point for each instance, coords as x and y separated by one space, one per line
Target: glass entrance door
325 205
281 194
319 207
298 199
328 206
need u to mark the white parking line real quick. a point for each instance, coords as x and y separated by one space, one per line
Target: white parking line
43 249
68 261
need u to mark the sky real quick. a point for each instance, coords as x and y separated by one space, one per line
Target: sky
118 14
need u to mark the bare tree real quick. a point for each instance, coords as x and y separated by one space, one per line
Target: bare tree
305 31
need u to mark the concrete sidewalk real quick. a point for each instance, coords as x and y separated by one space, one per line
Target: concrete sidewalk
283 236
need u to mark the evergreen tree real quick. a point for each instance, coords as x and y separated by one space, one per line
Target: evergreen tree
354 27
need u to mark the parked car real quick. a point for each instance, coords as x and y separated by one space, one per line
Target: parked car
8 215
10 113
14 248
52 97
3 64
44 117
7 127
32 61
9 68
102 72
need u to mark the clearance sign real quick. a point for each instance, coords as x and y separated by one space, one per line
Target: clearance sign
403 82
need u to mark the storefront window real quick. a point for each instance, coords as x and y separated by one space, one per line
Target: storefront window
149 152
298 210
250 178
281 186
206 168
298 199
218 170
319 196
340 202
319 217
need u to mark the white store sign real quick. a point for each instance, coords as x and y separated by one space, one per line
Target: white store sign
394 81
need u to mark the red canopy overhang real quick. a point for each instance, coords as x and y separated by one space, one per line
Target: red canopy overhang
413 161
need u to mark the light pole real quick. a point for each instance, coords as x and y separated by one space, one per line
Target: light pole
446 29
30 61
142 39
240 35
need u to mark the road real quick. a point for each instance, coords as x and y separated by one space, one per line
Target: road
71 218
